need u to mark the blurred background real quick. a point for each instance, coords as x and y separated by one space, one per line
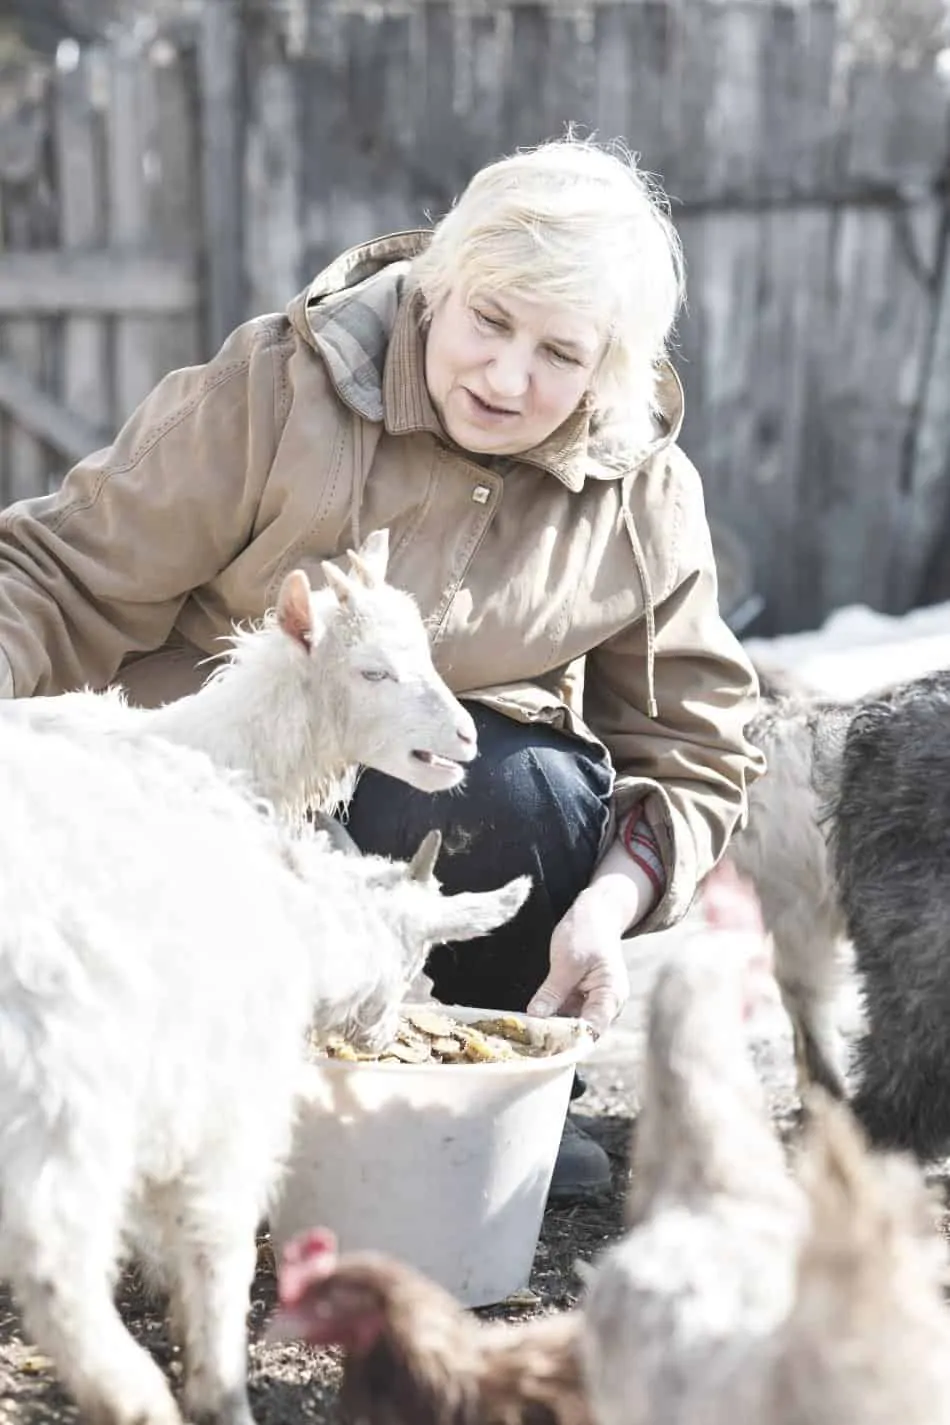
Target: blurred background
168 169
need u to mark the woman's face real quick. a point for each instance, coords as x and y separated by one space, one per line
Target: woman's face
505 371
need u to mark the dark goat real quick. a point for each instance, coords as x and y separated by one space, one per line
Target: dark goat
891 849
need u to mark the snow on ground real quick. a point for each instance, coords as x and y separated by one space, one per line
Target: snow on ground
858 651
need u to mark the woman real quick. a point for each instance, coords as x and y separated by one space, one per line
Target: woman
496 392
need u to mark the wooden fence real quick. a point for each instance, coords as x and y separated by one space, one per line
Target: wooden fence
187 179
99 290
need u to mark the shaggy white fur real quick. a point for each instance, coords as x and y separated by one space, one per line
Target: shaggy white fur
158 971
326 681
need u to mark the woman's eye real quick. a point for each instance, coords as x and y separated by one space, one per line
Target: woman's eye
562 358
375 675
494 322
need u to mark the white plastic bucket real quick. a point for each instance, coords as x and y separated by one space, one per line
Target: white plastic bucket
445 1166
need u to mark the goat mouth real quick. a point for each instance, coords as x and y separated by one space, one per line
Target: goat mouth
433 759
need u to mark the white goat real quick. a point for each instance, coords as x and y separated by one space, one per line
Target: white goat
159 964
707 1268
783 850
400 915
328 680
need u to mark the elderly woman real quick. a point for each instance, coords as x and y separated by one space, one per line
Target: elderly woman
496 392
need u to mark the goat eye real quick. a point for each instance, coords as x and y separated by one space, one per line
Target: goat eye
375 675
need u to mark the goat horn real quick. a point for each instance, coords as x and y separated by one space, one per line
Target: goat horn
362 570
339 582
423 862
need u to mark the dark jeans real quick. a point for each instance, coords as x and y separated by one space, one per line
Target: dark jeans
535 801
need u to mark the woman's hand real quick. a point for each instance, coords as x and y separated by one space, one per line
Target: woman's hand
588 975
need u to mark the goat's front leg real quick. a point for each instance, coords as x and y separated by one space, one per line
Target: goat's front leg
214 1260
806 959
819 1050
63 1283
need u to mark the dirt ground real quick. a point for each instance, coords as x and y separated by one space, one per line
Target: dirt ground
293 1385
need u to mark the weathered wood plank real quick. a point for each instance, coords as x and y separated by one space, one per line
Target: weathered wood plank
926 483
86 383
102 280
690 74
131 170
6 424
222 121
443 149
26 350
274 242
27 342
616 111
524 117
930 449
43 416
651 103
370 191
174 198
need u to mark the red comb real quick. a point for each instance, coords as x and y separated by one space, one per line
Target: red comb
307 1258
729 902
315 1242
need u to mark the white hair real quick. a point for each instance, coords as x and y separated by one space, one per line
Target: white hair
578 225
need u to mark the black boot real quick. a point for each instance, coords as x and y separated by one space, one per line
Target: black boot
582 1170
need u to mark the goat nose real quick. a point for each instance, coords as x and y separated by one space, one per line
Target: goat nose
466 738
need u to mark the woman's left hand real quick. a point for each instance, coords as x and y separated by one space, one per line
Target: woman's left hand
588 975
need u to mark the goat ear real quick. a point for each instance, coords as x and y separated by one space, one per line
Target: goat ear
294 614
339 582
369 562
423 862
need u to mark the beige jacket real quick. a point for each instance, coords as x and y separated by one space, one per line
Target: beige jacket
559 588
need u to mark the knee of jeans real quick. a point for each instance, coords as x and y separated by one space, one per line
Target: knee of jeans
389 818
564 790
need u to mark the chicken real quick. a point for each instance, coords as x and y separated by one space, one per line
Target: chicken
728 901
413 1355
868 1339
706 1269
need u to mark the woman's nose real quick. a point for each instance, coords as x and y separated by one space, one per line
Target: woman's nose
509 373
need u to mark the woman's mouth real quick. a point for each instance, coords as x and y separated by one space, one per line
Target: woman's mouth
485 410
